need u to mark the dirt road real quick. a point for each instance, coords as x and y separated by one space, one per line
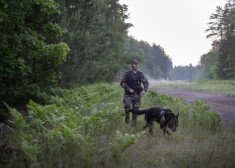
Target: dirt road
223 104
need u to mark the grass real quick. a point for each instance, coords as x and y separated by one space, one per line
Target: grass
225 87
185 149
84 127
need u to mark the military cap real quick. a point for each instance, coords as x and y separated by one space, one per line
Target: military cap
134 61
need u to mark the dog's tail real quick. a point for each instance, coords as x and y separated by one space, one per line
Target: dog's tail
137 112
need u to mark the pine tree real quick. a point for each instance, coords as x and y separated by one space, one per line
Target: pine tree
222 28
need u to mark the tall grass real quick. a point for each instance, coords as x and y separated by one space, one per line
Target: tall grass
84 127
226 87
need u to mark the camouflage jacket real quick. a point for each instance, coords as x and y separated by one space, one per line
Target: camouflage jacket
133 81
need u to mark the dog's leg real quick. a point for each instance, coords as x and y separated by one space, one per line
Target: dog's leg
165 131
163 124
145 126
168 132
151 127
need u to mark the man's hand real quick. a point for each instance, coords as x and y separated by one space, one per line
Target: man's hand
142 93
131 90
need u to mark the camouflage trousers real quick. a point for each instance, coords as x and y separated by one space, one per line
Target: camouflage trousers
131 101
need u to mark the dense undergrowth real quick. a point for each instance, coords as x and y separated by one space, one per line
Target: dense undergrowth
84 127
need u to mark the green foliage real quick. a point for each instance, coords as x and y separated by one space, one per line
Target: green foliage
209 65
121 143
210 120
3 7
30 61
221 29
77 125
37 36
96 34
100 47
68 125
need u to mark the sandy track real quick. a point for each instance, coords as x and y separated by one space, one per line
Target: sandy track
223 104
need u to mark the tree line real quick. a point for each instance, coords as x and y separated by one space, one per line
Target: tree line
219 62
154 60
187 72
48 43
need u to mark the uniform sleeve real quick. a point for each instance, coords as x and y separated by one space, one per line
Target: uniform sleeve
123 82
145 82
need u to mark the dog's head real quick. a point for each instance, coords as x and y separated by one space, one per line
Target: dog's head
173 122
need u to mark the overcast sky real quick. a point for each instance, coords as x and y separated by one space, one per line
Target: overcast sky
177 25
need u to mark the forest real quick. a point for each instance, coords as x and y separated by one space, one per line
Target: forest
60 105
219 62
46 43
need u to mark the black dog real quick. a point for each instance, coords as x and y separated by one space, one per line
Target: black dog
164 117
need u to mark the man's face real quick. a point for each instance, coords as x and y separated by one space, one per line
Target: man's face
134 66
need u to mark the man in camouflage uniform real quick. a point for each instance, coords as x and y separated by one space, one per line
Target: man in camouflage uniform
131 82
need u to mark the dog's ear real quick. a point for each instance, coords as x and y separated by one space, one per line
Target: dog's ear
177 115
